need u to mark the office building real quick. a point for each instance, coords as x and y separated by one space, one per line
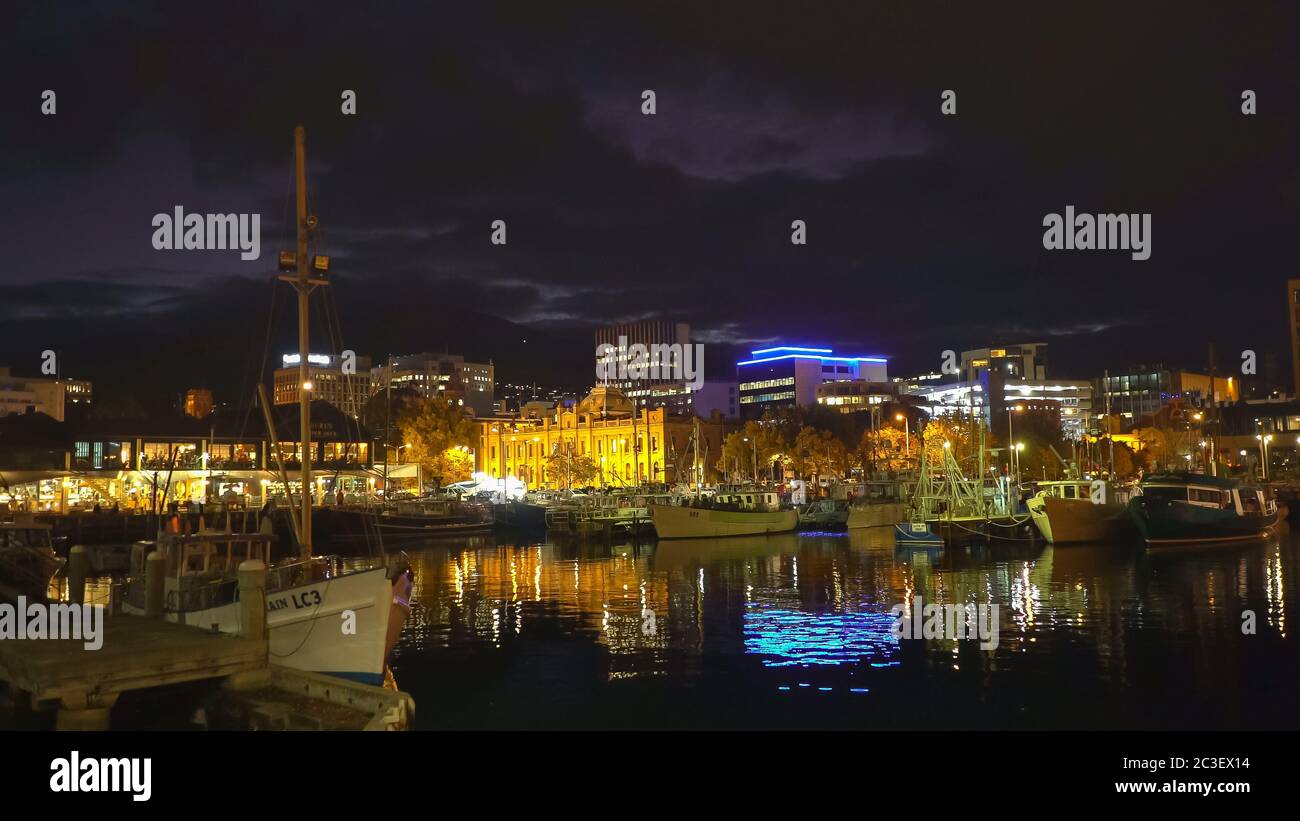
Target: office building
348 392
473 384
784 376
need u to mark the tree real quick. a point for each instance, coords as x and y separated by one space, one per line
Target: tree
884 449
438 436
566 469
818 453
755 442
958 431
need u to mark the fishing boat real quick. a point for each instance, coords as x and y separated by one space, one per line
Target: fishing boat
1189 508
821 514
1078 510
306 599
414 518
527 513
877 504
744 513
947 508
605 514
325 614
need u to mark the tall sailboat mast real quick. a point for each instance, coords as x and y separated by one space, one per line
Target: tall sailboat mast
303 283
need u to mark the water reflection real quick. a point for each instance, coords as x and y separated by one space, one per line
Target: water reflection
729 631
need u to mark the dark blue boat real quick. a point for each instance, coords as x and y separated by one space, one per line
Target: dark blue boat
1186 508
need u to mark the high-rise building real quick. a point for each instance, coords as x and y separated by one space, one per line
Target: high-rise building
445 375
786 375
650 333
348 392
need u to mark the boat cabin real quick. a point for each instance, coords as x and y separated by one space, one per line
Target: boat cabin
1244 500
762 500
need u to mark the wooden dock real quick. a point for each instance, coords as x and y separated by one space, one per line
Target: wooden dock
137 653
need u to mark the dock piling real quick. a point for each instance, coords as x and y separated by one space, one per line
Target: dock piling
155 568
78 567
252 598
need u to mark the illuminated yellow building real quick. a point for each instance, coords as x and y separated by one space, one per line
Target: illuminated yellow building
627 448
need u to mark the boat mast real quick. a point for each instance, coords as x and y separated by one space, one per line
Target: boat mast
1110 437
304 285
388 416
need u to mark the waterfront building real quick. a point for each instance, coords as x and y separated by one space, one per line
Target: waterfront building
1143 390
784 376
473 384
48 395
348 392
64 466
628 447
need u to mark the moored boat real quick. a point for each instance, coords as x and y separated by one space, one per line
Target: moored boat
744 513
824 513
1078 510
28 562
1187 508
306 600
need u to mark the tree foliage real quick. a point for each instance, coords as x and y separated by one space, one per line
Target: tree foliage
437 435
759 442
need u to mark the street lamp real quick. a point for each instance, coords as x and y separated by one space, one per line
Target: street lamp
907 433
1263 453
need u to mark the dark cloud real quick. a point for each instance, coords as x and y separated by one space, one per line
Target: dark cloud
924 231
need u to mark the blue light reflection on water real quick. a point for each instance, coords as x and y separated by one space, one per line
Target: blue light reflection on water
788 638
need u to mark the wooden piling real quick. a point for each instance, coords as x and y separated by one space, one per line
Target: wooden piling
252 599
155 569
78 568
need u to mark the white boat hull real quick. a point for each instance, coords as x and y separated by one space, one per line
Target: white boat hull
306 624
675 522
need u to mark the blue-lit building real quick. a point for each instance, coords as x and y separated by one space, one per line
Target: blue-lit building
787 375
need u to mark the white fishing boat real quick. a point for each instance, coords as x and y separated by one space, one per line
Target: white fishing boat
324 614
744 513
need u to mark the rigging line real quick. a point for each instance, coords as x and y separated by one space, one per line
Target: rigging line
261 370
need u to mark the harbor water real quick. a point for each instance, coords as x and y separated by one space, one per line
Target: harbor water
794 631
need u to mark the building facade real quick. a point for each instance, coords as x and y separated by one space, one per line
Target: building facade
650 445
50 396
348 392
785 376
1143 391
1024 361
446 375
855 396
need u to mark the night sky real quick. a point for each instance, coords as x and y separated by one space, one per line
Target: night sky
924 231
